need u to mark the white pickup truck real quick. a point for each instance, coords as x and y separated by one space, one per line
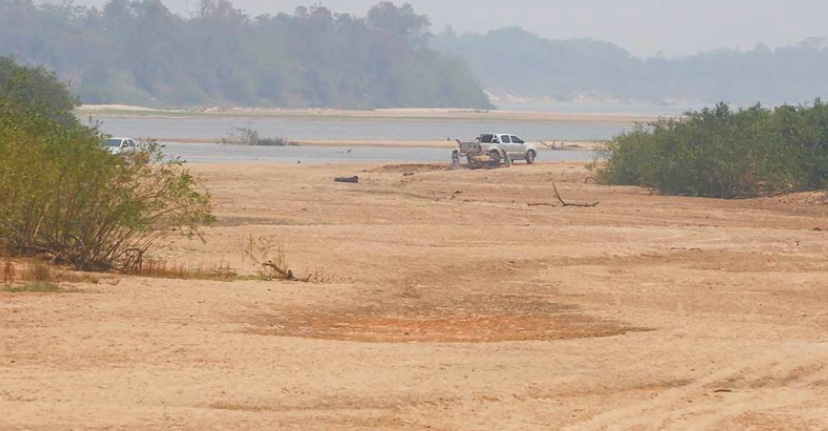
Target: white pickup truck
494 149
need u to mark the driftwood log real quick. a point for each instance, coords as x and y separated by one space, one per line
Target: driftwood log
572 204
354 179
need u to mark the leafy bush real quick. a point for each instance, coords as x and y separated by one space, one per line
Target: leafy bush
63 195
36 89
717 152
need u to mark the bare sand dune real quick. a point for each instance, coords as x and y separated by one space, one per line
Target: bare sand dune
445 300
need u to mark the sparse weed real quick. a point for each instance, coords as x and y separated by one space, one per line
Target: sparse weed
40 271
8 272
316 276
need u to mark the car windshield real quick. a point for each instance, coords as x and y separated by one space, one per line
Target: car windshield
113 142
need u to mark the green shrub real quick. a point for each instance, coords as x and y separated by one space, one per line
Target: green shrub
717 152
63 195
250 136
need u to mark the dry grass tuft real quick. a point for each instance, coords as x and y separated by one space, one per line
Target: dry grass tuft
162 269
35 287
39 276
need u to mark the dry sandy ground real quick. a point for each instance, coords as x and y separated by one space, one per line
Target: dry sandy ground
443 300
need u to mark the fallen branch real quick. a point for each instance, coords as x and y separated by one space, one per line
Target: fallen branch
572 204
285 273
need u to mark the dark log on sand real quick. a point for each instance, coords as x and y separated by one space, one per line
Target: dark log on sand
354 179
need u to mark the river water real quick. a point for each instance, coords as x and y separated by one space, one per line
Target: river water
300 129
172 131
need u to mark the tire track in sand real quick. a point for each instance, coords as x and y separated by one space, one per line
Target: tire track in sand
777 379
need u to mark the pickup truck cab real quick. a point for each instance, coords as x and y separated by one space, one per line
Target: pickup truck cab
500 146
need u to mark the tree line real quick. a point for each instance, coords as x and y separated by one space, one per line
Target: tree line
514 61
138 52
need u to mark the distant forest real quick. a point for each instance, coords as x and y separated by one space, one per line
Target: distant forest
511 61
138 52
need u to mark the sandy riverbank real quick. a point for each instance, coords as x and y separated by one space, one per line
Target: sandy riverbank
125 111
444 300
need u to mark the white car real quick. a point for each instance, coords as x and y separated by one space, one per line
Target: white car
120 146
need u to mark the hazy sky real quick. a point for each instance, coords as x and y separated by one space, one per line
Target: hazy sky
643 27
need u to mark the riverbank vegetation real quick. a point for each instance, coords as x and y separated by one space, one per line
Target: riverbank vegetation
721 153
66 198
139 53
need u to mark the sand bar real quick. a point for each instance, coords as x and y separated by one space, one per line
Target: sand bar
409 114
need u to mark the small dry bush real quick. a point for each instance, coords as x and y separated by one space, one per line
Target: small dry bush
269 258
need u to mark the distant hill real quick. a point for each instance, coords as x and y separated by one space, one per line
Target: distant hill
514 62
138 52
